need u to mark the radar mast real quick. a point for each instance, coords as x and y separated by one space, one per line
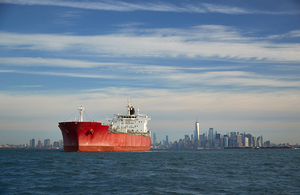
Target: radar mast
80 112
129 105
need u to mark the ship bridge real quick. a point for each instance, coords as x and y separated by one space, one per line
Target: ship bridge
130 122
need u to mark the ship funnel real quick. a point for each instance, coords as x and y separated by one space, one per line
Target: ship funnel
132 111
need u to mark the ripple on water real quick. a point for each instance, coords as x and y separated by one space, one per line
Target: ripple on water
157 172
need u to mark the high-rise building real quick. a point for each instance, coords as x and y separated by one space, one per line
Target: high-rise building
154 139
167 140
246 142
239 140
254 143
47 143
197 131
186 138
201 138
259 141
61 143
250 140
232 135
225 141
32 143
55 144
39 144
211 136
192 139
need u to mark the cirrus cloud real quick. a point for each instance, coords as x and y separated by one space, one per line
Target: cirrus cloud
208 41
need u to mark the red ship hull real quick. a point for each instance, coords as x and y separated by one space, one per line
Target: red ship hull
95 137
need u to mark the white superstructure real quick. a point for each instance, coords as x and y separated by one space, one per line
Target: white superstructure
129 123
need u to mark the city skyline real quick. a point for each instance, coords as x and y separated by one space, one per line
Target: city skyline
209 135
163 141
33 143
234 65
214 140
160 135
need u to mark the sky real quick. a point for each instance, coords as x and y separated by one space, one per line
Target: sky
232 65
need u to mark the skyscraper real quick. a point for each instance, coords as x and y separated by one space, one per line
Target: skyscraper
39 145
225 141
61 143
259 141
197 131
167 140
186 138
47 143
32 143
201 137
250 140
55 144
239 140
254 142
211 136
246 142
154 139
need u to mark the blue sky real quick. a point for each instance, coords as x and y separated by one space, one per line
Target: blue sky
234 65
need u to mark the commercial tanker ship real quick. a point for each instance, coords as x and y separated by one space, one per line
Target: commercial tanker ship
123 133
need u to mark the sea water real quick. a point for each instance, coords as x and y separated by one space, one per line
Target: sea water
275 171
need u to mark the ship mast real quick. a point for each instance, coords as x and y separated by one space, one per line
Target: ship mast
128 105
80 112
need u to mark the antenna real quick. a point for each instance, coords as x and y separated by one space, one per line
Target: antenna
129 103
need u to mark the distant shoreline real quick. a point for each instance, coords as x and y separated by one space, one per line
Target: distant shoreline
25 148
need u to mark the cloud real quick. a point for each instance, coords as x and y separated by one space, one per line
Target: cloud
287 67
31 86
148 6
4 71
67 17
233 78
123 67
54 62
130 24
64 74
158 76
291 34
208 42
225 9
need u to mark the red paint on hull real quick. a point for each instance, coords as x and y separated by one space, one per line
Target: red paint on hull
94 137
